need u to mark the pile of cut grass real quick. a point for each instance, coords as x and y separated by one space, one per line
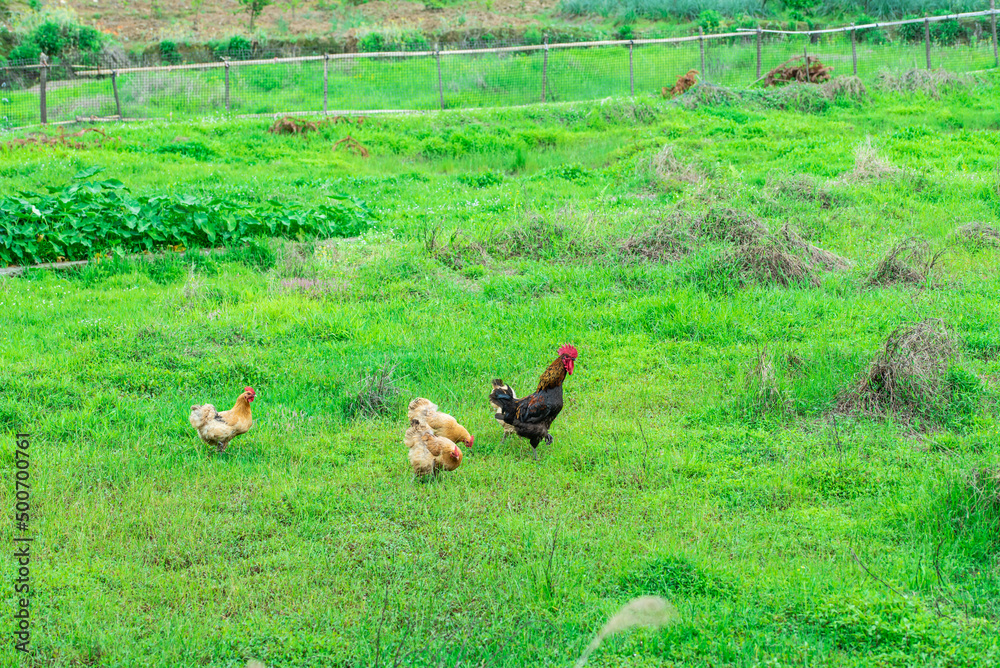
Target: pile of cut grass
908 376
910 261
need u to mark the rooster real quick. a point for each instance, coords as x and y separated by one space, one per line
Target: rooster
532 416
441 423
429 453
217 428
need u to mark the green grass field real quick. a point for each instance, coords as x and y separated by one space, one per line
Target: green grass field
677 468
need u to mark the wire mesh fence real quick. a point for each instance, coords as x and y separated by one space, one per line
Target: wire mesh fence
496 76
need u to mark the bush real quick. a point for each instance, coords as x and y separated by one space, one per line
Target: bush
168 52
26 51
50 38
371 43
710 20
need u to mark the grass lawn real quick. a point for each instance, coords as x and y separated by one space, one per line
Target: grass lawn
701 455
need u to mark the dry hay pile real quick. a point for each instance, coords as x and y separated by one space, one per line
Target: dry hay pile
782 259
909 261
869 165
929 82
661 243
722 224
909 373
70 140
815 255
352 145
979 235
668 167
684 82
800 68
768 260
805 187
289 126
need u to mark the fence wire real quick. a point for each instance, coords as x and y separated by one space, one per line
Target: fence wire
247 84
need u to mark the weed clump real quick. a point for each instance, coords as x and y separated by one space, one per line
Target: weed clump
538 239
761 392
669 168
661 243
869 164
805 187
979 235
722 224
376 392
909 261
909 375
931 83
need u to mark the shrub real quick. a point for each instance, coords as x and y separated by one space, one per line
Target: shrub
27 51
168 52
50 38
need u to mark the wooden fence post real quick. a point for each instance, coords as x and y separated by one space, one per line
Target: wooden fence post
854 50
437 55
114 89
758 52
631 68
227 84
43 75
545 67
927 40
701 49
993 27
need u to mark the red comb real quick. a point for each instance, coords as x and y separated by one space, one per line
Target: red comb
568 350
249 389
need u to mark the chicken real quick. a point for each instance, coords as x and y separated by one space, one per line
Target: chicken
498 413
441 423
532 416
218 428
429 453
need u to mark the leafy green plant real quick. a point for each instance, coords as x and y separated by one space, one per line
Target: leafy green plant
90 217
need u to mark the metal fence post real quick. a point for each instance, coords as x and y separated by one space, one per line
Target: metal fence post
758 52
854 49
114 89
227 84
43 75
701 48
993 27
545 67
927 40
437 56
805 54
326 80
631 69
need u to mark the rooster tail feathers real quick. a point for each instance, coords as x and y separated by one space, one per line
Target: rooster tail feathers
502 397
